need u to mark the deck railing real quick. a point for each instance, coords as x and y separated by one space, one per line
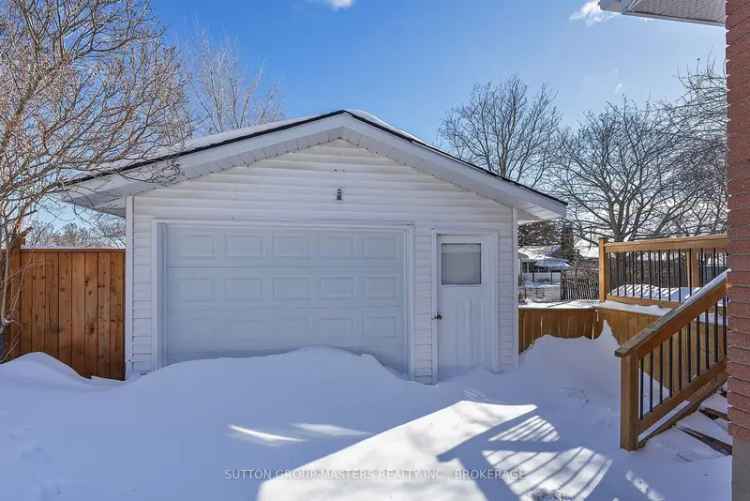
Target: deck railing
672 365
663 271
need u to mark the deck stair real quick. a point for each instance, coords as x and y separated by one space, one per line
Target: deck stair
709 424
673 372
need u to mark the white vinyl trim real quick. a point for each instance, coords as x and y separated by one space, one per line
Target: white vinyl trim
129 246
158 257
516 266
159 253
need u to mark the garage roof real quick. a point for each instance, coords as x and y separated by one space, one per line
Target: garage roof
696 11
107 189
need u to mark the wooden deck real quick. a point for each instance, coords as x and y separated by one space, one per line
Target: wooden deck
569 322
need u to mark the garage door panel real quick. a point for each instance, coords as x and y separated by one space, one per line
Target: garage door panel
291 245
291 288
244 245
337 287
243 289
383 288
382 247
383 325
255 291
340 330
336 246
194 247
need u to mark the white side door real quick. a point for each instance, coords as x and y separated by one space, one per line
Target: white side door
464 316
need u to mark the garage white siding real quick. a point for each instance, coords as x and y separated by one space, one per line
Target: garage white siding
301 187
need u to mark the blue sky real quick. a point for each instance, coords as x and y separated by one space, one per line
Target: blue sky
410 61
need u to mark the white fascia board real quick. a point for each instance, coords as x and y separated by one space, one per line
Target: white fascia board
529 202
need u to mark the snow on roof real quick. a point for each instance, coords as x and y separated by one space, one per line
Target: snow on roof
543 255
191 144
204 142
539 252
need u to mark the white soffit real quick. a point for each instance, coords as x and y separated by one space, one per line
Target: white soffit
695 11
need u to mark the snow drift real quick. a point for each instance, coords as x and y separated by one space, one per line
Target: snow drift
326 424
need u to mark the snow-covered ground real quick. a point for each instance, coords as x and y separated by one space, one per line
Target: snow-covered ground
326 424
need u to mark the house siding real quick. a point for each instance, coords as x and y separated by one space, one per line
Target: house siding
301 187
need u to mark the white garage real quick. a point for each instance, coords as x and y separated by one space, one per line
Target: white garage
242 291
336 230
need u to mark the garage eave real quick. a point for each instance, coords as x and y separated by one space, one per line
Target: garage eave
107 192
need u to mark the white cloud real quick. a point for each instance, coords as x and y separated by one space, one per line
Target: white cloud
338 4
619 88
591 13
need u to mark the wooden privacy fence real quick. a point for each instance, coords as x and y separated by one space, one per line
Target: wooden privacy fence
71 306
663 271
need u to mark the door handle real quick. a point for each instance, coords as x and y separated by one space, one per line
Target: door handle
437 316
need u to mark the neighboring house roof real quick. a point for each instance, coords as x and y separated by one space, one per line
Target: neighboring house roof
107 189
696 11
543 256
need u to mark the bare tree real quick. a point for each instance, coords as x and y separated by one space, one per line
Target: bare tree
700 117
505 130
224 94
46 234
621 171
83 84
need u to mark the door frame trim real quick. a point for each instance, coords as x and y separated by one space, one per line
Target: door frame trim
490 237
158 271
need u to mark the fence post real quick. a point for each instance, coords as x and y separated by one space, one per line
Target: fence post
628 403
602 269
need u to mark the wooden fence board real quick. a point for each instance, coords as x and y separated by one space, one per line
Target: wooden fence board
117 318
65 319
78 309
39 306
51 332
71 307
90 322
103 292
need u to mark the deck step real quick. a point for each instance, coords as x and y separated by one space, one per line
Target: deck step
715 406
714 414
714 443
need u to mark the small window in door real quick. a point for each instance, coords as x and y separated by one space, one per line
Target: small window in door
461 264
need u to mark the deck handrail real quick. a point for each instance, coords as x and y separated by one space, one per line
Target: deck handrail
693 338
718 241
661 271
677 318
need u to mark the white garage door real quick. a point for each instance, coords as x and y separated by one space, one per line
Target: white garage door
250 291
